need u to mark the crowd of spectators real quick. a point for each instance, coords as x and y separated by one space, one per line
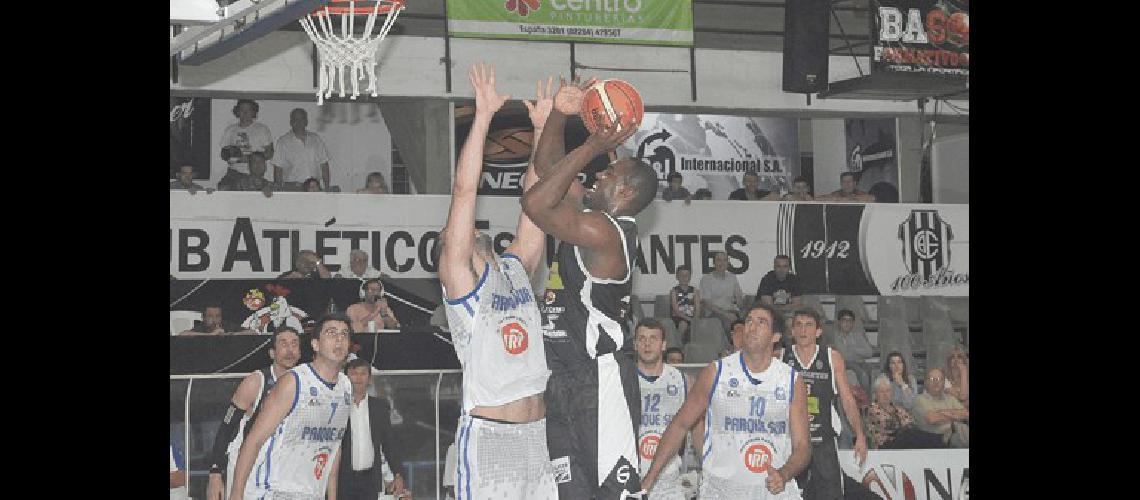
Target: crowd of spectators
800 190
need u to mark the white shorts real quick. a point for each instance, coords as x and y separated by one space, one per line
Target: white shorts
668 485
503 461
718 488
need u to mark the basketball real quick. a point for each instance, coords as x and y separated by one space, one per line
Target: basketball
605 99
508 145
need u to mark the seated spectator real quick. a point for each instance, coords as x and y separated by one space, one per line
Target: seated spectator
185 181
736 335
702 194
801 191
374 184
311 185
938 412
903 387
751 189
674 355
854 346
847 191
674 191
958 375
213 324
780 288
686 303
372 313
720 293
358 267
307 264
255 181
891 427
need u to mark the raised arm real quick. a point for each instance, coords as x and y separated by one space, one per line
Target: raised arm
551 147
277 405
459 237
692 411
529 240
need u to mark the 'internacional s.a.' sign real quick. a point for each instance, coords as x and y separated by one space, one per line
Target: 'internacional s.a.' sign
850 249
645 22
921 36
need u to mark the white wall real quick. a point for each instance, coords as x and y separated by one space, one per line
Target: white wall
829 145
950 169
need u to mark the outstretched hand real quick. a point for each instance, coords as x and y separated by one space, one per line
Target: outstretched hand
539 109
568 100
608 138
487 100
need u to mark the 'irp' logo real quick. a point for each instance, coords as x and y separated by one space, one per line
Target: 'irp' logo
889 482
648 445
515 339
321 459
523 7
925 239
757 458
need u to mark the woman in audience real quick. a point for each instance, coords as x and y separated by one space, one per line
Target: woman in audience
958 375
903 387
686 302
890 426
311 185
374 184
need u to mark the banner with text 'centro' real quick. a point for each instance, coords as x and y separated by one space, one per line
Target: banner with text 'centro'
849 249
643 22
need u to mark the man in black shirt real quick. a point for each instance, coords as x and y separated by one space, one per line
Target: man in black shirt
780 288
751 189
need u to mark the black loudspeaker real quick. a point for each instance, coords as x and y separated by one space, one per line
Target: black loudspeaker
806 28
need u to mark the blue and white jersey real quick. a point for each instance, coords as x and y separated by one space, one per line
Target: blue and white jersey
295 462
661 399
496 330
747 428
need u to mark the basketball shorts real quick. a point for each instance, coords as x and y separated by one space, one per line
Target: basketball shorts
668 485
502 460
718 488
593 411
823 479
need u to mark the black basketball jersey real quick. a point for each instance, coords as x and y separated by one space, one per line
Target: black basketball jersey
820 381
584 317
267 381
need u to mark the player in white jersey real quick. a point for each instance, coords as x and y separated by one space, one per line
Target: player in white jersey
756 425
495 327
293 447
663 390
285 351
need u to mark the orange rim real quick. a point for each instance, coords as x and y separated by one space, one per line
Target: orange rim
359 10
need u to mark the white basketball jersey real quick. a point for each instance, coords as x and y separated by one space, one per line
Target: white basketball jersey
661 399
747 428
497 335
295 462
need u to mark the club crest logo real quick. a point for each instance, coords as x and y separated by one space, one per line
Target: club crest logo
925 239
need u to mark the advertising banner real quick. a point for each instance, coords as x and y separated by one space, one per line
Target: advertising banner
872 155
850 248
912 474
643 22
921 36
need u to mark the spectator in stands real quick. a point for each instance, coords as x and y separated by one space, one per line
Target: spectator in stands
311 185
177 473
674 191
958 375
300 154
854 346
736 335
890 426
358 267
903 387
674 355
720 292
241 139
780 288
213 324
847 191
751 189
801 191
307 264
374 184
685 301
938 412
255 181
185 181
373 312
702 194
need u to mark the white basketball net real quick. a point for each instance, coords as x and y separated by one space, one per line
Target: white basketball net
338 55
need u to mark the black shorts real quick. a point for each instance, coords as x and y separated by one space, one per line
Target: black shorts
823 479
588 424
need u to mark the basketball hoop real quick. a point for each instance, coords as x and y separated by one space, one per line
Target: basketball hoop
340 54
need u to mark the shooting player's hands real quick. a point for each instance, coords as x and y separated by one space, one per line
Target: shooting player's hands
608 138
539 109
568 100
487 100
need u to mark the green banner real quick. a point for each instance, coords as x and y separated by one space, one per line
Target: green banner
645 22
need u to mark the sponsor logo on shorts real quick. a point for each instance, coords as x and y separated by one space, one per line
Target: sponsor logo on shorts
561 469
757 457
647 448
515 338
